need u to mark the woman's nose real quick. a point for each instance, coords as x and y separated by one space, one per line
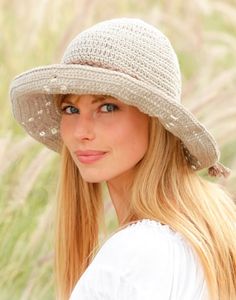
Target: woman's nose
84 127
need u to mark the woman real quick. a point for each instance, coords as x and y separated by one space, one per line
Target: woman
112 110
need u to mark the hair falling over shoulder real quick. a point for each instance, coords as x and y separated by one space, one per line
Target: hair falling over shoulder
165 189
79 210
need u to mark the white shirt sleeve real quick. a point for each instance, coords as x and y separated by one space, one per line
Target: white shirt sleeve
146 260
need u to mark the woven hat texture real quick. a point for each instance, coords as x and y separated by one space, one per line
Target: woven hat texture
126 58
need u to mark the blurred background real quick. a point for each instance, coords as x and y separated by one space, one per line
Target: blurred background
35 33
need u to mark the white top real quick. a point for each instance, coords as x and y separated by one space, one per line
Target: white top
144 261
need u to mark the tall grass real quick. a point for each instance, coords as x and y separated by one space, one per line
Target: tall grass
35 33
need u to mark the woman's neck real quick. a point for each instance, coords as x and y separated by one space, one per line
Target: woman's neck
120 192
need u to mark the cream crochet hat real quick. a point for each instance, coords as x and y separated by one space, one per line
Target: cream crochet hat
128 59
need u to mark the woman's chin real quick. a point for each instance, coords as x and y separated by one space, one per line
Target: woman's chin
94 178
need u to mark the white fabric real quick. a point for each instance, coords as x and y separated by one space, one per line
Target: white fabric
144 261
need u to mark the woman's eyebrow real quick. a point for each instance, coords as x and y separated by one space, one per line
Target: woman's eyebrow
66 100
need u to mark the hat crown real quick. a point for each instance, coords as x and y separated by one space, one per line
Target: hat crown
130 46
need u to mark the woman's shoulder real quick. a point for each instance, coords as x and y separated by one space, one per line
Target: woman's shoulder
145 260
148 252
147 236
151 246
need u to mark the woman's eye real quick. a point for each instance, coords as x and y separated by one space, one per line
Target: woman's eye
109 107
70 110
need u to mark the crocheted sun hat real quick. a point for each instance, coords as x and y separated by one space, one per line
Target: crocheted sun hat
125 58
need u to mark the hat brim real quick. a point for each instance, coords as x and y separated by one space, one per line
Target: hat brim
33 107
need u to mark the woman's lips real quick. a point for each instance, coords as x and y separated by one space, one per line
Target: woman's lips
89 156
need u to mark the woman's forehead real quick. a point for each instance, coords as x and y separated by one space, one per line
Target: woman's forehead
73 98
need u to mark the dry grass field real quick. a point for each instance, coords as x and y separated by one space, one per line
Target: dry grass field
35 33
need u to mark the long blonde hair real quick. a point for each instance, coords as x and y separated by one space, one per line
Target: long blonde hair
166 189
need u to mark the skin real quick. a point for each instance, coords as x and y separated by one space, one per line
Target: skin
109 125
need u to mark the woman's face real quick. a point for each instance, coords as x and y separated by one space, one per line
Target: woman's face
105 137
